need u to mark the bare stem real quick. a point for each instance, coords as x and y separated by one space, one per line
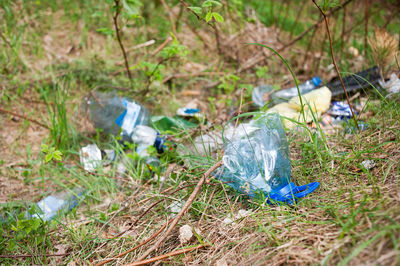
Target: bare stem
334 63
117 32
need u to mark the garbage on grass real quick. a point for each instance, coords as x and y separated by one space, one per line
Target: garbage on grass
171 125
208 143
185 233
392 85
259 163
241 214
90 157
316 101
368 164
175 207
287 94
145 137
261 94
113 113
355 82
56 204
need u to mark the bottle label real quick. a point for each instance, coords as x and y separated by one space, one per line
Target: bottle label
127 120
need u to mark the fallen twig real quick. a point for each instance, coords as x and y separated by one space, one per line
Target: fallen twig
334 63
33 255
165 256
136 247
24 117
184 209
159 48
145 44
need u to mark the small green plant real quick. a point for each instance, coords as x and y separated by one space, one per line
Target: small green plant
51 153
207 11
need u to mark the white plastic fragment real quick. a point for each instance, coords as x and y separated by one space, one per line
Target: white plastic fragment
175 207
121 169
144 136
185 233
241 214
368 164
228 221
393 85
90 157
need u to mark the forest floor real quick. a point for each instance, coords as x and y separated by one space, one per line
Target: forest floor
56 60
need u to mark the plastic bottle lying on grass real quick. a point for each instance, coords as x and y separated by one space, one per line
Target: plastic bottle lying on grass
57 204
259 162
287 94
112 113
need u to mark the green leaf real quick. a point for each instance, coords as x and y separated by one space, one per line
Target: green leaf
207 4
105 31
208 16
132 7
45 148
196 9
48 157
216 3
57 155
218 17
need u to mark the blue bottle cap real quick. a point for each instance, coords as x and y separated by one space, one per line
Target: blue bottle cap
317 81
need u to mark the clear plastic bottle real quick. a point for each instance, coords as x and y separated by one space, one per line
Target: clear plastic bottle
59 203
259 162
286 94
111 113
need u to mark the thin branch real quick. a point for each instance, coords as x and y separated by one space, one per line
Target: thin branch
33 255
366 26
159 48
334 63
165 256
136 247
117 32
170 16
184 209
24 117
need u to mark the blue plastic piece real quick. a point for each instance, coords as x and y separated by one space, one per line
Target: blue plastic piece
192 110
317 81
259 162
159 143
291 193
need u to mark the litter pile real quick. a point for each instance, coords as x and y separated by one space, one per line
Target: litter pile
256 155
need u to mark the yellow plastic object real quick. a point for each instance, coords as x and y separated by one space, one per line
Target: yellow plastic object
319 100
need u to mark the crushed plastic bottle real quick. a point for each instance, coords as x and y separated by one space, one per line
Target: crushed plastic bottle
57 204
112 113
259 94
259 163
286 94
